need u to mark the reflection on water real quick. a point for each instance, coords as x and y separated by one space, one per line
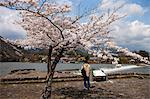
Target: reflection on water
6 67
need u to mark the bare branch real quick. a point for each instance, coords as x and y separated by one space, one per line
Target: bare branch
41 5
50 37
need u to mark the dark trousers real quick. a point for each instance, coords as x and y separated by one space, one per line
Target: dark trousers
86 82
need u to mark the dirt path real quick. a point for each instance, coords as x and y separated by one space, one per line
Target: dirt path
131 88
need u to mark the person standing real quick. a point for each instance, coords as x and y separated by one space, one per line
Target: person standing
85 70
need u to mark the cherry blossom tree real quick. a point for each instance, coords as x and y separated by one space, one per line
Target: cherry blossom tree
49 26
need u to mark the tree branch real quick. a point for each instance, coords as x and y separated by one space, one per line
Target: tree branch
36 13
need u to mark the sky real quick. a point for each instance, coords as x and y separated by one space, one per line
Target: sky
132 32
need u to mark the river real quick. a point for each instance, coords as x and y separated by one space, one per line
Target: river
6 67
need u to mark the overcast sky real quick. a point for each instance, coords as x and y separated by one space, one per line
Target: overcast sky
132 32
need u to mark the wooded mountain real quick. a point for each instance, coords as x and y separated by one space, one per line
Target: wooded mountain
8 51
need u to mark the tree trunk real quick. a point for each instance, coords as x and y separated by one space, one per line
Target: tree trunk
49 59
47 91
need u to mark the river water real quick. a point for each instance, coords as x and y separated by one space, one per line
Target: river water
6 67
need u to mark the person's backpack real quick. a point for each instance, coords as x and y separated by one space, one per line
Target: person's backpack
83 72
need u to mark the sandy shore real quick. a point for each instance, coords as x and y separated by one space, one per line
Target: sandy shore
129 88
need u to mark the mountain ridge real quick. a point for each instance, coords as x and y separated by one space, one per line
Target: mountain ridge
8 51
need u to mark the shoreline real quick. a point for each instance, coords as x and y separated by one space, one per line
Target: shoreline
20 77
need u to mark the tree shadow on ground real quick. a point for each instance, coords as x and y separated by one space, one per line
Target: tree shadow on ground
75 93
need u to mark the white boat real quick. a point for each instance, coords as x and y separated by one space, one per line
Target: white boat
98 73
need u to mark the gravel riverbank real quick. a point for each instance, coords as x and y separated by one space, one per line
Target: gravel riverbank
67 85
129 88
